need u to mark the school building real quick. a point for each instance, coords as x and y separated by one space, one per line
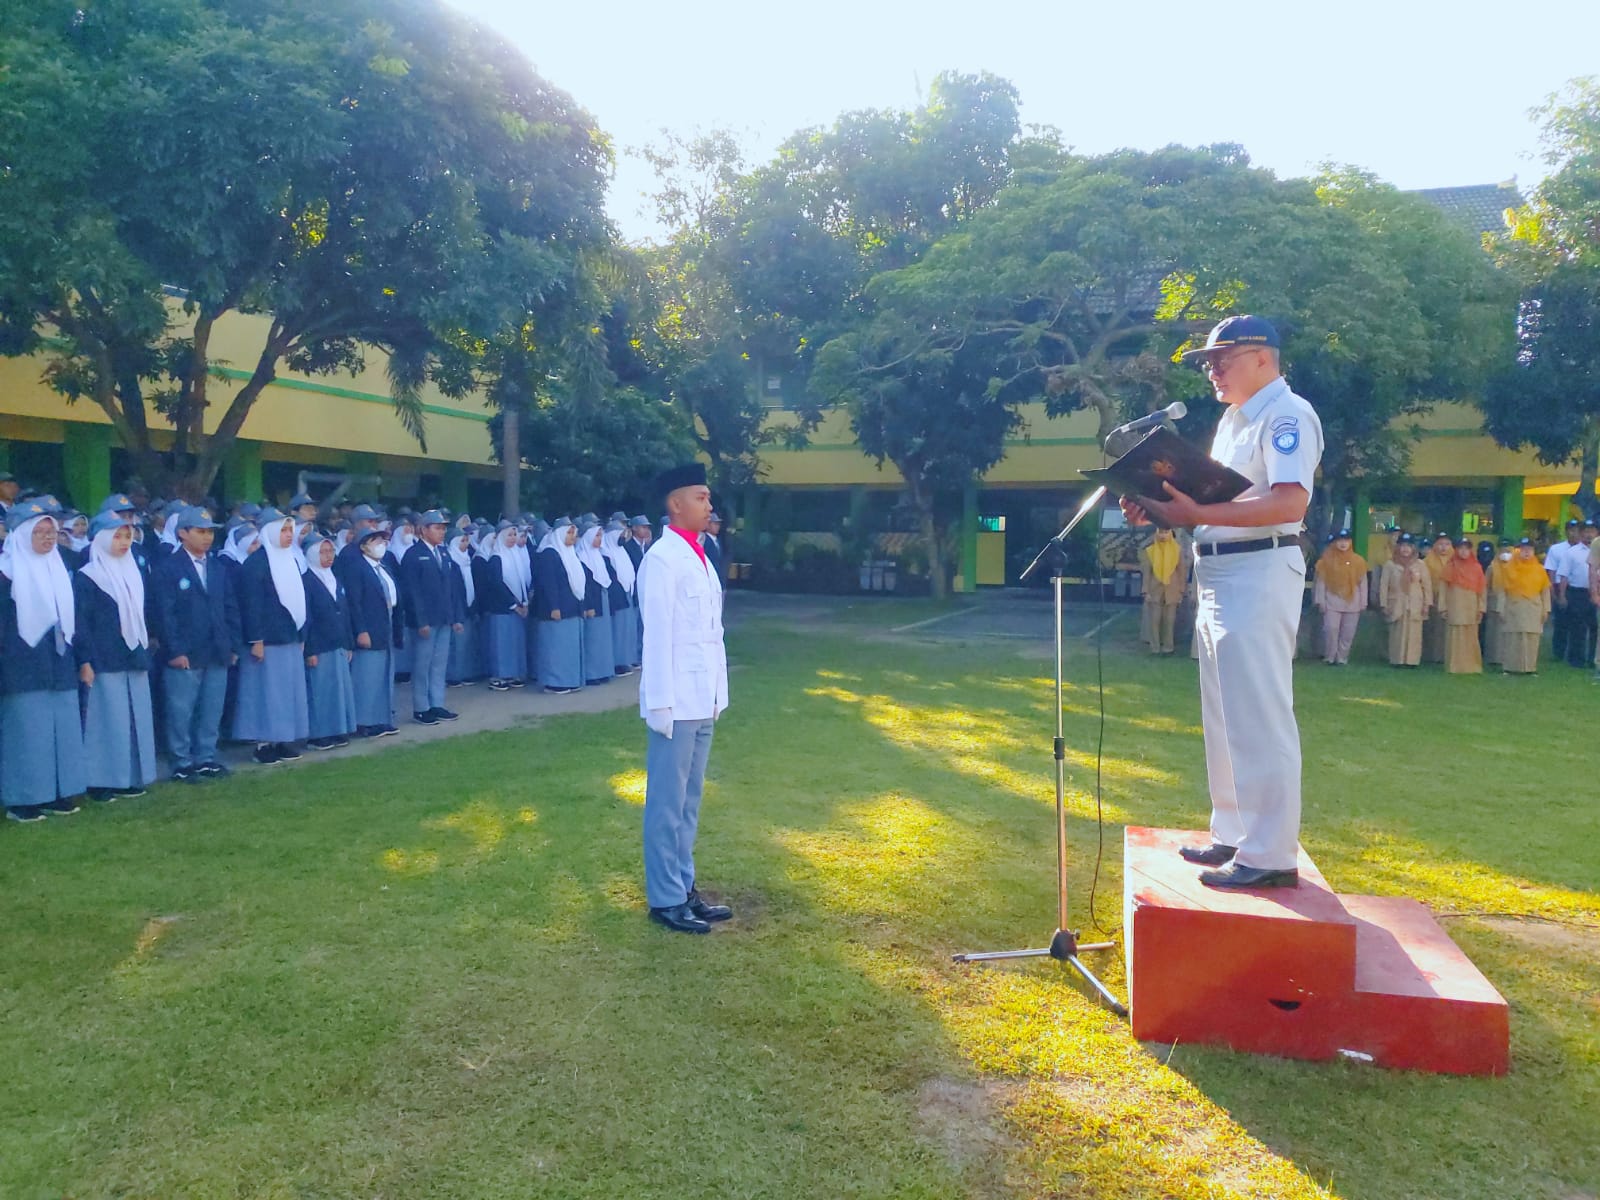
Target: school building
319 429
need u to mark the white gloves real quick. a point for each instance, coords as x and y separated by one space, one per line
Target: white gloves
660 720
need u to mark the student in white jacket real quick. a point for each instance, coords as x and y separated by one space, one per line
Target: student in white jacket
683 689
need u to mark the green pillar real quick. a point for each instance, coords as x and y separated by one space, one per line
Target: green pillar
86 463
453 486
1511 489
1361 517
242 473
967 580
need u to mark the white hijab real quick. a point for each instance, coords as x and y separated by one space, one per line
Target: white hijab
119 578
463 559
324 575
510 563
238 547
75 541
401 540
300 559
285 571
556 540
617 556
41 589
169 529
591 557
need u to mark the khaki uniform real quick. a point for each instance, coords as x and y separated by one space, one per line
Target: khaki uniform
1463 609
1406 597
1161 600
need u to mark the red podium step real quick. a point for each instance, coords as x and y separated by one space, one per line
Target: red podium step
1299 972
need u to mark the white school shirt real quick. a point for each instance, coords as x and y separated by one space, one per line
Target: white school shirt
1569 564
1274 437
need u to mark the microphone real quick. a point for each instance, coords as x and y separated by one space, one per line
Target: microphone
1122 434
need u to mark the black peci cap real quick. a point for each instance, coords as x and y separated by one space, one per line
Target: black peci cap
688 475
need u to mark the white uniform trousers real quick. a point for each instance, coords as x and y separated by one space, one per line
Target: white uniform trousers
1249 612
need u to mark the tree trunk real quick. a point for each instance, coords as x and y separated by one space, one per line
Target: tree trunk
1588 463
510 459
922 497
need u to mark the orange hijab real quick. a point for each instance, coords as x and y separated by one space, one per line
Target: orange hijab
1341 571
1524 578
1464 573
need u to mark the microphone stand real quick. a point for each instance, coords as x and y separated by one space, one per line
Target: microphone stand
1064 945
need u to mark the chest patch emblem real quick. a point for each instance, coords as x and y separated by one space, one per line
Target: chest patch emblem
1286 435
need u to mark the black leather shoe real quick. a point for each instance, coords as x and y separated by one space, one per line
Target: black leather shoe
680 919
1236 875
707 912
1213 855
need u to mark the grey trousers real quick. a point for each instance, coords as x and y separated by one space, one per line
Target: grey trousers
430 664
194 712
675 770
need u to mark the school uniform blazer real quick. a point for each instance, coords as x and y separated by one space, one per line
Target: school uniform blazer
458 593
73 558
368 607
98 639
328 625
685 666
425 587
200 621
25 668
495 597
619 595
592 593
713 550
636 553
262 616
554 592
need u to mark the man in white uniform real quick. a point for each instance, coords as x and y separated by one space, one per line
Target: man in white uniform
1249 578
683 689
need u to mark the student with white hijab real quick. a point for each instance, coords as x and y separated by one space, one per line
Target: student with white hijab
624 621
373 597
599 664
401 539
529 538
272 710
466 648
41 738
112 649
560 583
503 600
329 643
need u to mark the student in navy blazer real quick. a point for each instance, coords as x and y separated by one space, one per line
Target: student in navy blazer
197 623
433 613
371 596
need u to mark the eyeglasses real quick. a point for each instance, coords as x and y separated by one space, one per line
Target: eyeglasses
1217 366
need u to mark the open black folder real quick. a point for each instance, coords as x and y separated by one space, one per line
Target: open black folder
1163 455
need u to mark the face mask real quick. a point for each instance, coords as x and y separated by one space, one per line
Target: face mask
374 549
1506 556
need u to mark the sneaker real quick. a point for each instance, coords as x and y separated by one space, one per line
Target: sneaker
338 742
288 751
450 683
443 714
516 683
25 812
499 685
128 793
103 795
321 743
369 731
183 774
62 807
213 770
555 691
388 731
266 755
425 718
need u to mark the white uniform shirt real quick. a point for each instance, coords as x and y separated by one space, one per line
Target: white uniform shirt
1568 564
1274 437
684 666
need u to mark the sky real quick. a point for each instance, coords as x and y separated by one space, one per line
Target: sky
1425 93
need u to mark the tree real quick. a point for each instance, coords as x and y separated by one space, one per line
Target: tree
1548 396
364 172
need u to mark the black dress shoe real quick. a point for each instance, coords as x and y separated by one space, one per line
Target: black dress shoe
707 912
1213 855
680 919
1237 875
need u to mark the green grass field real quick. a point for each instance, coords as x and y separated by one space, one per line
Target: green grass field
428 973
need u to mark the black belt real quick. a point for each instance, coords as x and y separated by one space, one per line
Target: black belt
1206 549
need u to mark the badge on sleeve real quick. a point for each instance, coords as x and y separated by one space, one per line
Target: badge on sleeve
1286 435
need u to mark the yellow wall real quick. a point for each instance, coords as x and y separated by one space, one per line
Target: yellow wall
334 412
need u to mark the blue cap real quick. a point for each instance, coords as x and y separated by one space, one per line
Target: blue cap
1243 330
301 500
1525 542
365 512
366 535
640 520
195 517
433 516
249 510
104 521
1343 533
117 502
41 506
268 515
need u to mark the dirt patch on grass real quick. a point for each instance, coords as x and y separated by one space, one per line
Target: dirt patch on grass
1549 935
963 1116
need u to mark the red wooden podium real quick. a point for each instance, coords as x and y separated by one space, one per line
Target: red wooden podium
1299 972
